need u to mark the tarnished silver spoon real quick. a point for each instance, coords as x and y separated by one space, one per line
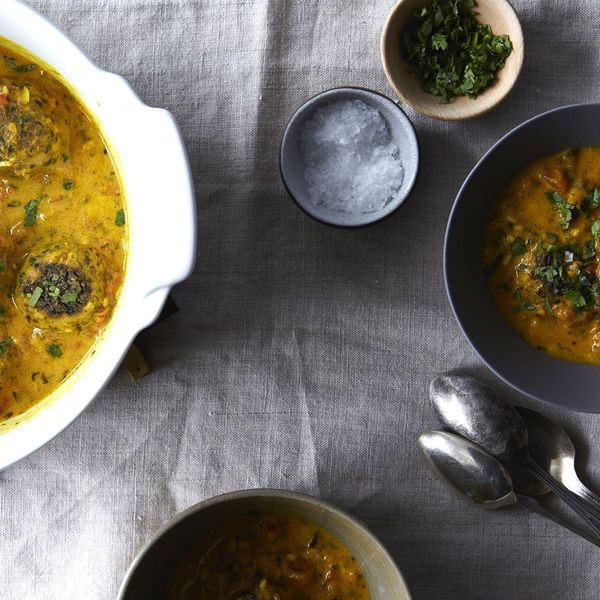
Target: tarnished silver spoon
471 409
478 476
553 449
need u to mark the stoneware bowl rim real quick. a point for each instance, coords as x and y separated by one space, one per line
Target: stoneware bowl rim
257 494
486 101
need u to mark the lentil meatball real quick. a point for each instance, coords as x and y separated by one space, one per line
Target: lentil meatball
32 129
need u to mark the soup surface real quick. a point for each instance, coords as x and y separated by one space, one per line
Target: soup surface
62 234
267 556
542 251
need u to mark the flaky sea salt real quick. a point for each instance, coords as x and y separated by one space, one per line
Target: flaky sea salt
351 164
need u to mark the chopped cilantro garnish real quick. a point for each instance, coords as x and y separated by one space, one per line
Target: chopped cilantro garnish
518 246
35 296
4 344
69 297
596 231
576 298
68 184
592 200
54 350
564 209
451 51
31 212
120 218
14 66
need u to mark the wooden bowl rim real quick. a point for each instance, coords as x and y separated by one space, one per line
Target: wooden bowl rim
438 112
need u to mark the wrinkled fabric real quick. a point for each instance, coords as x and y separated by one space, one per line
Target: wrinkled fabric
301 355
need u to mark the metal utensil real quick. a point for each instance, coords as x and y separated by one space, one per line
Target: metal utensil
478 476
553 449
471 409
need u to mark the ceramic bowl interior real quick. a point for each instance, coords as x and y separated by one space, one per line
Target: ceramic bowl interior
150 574
292 166
499 14
568 384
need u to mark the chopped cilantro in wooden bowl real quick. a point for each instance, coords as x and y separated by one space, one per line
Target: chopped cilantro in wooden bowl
452 59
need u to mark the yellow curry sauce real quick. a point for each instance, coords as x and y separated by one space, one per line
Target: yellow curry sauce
268 556
62 233
542 252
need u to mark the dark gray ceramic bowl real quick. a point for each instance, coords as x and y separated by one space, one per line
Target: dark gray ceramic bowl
567 384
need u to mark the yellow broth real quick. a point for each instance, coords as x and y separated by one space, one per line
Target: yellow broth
541 254
62 234
268 556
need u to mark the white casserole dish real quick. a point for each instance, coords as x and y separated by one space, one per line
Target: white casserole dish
161 217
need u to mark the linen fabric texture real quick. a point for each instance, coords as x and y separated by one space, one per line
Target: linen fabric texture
301 354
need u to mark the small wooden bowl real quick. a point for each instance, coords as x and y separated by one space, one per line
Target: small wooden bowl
499 14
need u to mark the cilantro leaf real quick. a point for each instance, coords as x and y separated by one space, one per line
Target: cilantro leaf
592 200
4 344
31 212
564 209
54 350
120 218
450 51
518 246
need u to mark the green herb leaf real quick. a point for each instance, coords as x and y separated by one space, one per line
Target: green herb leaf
54 350
564 209
14 66
518 247
35 296
576 298
451 51
68 184
120 218
69 297
31 212
4 344
592 200
596 231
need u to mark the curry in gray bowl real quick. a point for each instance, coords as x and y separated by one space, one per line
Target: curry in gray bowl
521 257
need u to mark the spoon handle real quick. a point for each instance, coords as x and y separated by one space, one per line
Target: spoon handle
535 507
581 490
566 495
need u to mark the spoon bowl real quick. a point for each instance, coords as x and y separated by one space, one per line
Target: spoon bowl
471 409
552 448
468 469
475 475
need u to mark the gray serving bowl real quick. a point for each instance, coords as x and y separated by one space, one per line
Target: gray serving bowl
571 385
152 569
291 164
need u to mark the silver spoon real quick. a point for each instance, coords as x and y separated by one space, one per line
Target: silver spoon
471 409
553 449
478 476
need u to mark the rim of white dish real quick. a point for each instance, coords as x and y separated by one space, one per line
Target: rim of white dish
129 128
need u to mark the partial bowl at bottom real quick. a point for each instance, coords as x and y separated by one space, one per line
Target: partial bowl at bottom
151 571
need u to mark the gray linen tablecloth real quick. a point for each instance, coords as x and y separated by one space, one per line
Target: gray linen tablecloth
301 355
